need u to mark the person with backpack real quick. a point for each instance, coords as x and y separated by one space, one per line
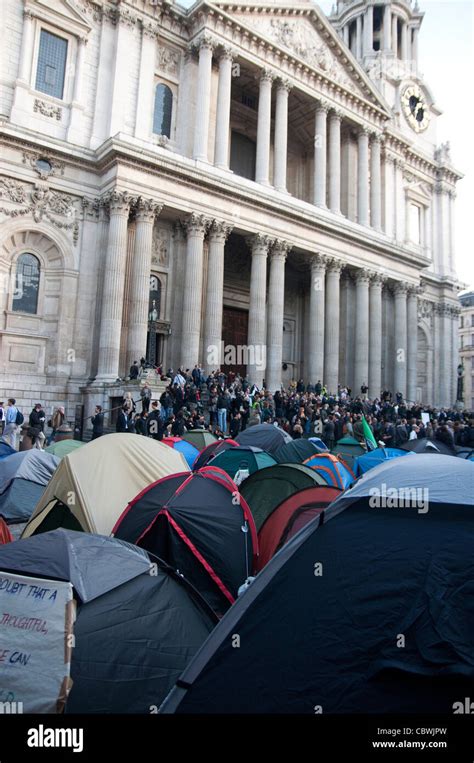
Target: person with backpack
13 421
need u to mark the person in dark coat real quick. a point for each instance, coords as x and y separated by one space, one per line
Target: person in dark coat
178 426
37 417
155 423
140 423
123 422
97 423
134 370
329 433
235 425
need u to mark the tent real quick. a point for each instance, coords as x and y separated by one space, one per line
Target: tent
211 450
332 469
290 516
137 625
265 436
321 446
296 451
93 484
423 445
375 457
265 489
23 477
244 457
464 451
6 450
326 620
199 524
200 438
189 451
5 534
63 447
348 448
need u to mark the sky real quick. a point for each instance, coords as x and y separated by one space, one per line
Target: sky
446 60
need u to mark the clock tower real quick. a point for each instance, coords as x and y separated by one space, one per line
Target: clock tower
383 36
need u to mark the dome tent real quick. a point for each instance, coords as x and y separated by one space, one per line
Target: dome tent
296 451
265 436
92 484
199 524
211 450
244 457
265 489
332 469
200 438
187 449
348 448
134 612
376 457
23 478
418 583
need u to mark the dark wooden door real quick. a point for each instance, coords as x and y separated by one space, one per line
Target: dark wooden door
235 325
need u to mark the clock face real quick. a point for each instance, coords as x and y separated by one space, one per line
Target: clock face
415 108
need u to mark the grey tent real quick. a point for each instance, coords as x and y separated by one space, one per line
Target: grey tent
265 436
138 622
23 478
424 445
320 626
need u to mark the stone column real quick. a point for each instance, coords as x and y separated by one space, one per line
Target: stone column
414 49
113 287
335 162
395 35
145 213
401 339
375 335
276 305
445 360
456 311
26 52
320 149
412 343
316 319
262 161
196 227
387 28
404 42
363 178
359 37
281 135
178 296
375 184
259 246
452 253
400 203
331 327
368 30
74 131
218 234
221 154
203 99
146 89
361 370
389 196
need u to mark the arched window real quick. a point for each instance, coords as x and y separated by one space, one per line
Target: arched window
163 109
155 294
25 296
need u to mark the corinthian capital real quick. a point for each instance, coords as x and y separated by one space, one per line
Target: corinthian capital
334 266
318 263
362 276
280 249
219 231
118 202
400 288
260 243
147 209
196 225
267 75
377 280
206 41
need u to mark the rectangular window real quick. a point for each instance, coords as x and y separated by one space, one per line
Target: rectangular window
51 68
472 319
415 224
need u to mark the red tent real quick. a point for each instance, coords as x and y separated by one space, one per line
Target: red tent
5 534
290 516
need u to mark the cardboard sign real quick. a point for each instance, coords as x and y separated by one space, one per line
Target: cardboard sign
36 622
425 417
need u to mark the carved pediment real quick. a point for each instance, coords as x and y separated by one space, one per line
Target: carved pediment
309 37
61 12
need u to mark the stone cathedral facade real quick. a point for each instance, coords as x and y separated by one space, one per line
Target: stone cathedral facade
259 174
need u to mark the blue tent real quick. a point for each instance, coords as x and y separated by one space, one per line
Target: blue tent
323 621
373 458
321 446
6 450
23 477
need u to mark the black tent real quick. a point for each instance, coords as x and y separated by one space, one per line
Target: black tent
265 436
365 610
201 526
138 622
296 451
424 445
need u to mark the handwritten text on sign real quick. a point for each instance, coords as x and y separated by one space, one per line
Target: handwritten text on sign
33 630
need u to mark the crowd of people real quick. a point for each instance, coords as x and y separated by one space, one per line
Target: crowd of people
226 404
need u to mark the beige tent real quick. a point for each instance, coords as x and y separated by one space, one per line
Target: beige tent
93 485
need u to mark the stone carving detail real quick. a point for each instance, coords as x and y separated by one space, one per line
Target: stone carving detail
220 230
443 153
300 39
160 247
425 309
42 203
168 61
31 157
259 243
12 190
47 109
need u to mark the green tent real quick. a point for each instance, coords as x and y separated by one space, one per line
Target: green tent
63 447
199 438
348 448
265 489
245 457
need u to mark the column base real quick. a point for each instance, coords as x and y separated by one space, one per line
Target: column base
321 206
266 183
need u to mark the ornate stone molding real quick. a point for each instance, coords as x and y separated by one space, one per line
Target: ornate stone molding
12 190
334 266
280 249
227 53
147 210
318 262
125 16
266 75
336 114
150 28
377 280
47 109
425 309
260 243
41 203
283 84
31 158
91 207
323 106
205 40
219 230
400 288
362 276
168 60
